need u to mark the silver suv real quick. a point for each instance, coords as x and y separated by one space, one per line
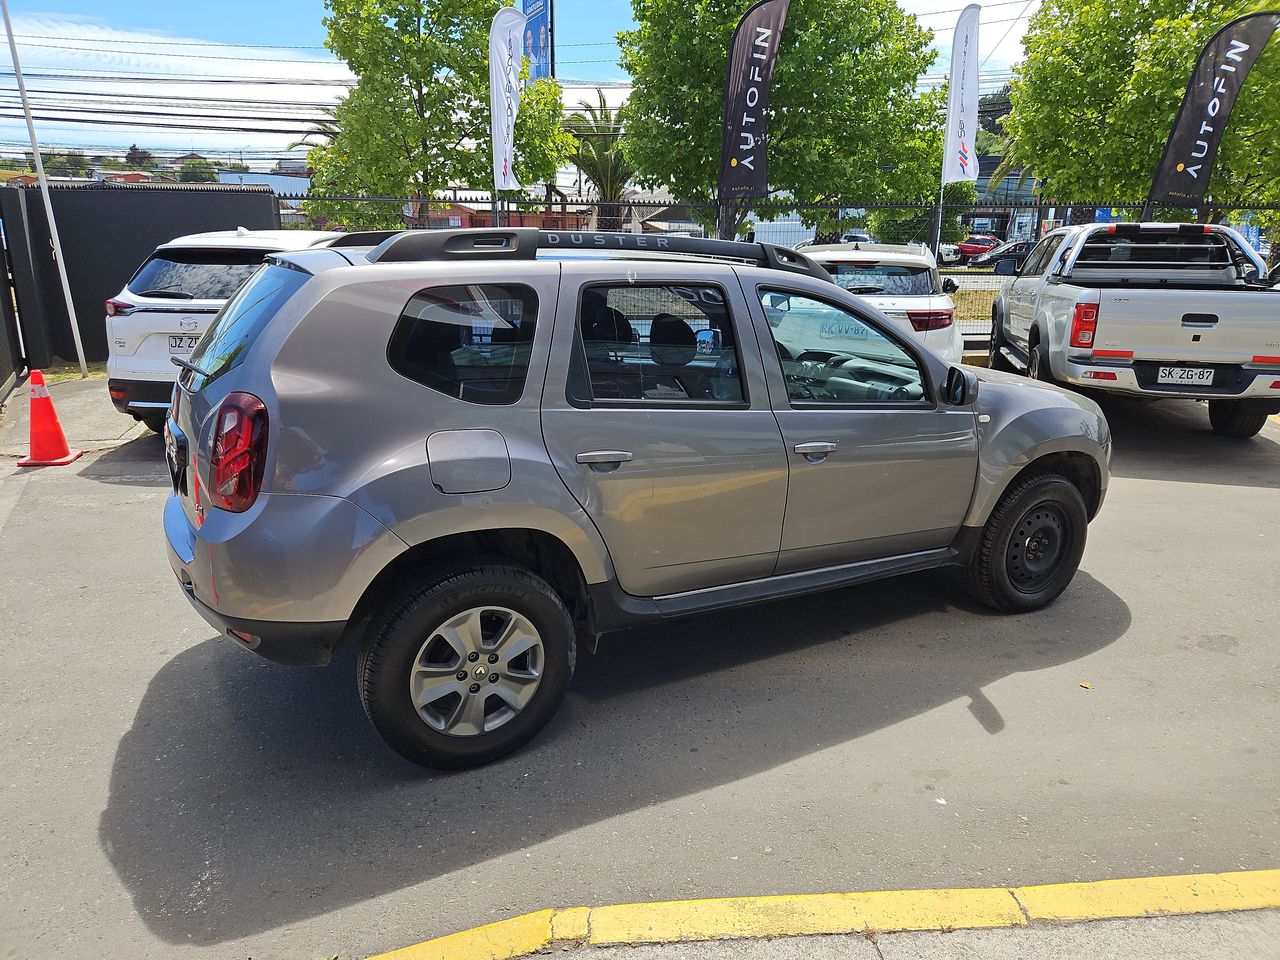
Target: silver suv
465 450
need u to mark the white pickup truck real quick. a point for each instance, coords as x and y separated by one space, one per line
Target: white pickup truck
1147 309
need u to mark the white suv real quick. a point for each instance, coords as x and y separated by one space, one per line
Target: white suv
903 283
164 310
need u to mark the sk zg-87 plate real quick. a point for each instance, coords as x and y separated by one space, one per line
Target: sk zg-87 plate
1185 376
183 344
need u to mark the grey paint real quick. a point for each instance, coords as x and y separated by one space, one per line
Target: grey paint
709 498
468 461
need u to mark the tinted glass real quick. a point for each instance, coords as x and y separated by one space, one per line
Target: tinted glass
884 279
195 274
243 317
831 355
663 343
470 341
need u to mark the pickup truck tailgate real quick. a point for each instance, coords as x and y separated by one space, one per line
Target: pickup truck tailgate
1197 326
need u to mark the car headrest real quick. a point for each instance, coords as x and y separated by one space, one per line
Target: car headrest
671 340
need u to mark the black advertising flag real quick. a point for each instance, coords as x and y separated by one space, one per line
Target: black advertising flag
1183 174
744 168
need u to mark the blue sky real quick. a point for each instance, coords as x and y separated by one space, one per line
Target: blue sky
242 57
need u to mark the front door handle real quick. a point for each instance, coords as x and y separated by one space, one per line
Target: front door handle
816 450
604 461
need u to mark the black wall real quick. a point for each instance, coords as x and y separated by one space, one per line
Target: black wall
106 233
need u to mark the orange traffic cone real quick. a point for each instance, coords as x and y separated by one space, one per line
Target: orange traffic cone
48 444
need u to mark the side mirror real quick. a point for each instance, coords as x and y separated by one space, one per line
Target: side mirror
962 387
949 285
779 301
709 341
1006 268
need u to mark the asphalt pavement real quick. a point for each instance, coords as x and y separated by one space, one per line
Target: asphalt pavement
170 795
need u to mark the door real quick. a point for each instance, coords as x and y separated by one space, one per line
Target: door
878 467
1024 291
657 418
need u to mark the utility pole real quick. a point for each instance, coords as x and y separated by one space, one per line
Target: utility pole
44 191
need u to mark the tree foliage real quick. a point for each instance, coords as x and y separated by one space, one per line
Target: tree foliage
138 159
845 118
197 171
68 163
601 159
911 225
417 120
1095 98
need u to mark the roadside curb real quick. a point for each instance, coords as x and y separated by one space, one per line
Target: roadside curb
887 911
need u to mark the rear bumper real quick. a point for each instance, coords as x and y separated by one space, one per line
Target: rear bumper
1231 383
140 396
293 644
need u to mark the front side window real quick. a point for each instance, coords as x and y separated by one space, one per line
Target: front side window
662 343
885 279
470 341
831 355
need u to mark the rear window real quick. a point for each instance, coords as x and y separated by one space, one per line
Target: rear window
195 274
884 279
1157 249
471 341
243 318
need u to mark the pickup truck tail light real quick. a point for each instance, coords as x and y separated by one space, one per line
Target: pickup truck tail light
1084 325
239 452
923 320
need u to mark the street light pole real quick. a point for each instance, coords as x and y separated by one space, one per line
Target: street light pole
44 190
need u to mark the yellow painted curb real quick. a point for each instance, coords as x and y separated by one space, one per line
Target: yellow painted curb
887 911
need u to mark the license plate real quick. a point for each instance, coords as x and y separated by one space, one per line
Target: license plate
183 344
1180 376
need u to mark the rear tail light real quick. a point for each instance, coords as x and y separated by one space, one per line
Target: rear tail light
922 320
1084 325
118 308
239 452
1099 375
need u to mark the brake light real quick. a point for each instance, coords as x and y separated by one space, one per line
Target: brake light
922 320
1084 325
118 308
1098 375
239 452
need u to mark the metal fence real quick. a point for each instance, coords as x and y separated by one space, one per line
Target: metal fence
771 222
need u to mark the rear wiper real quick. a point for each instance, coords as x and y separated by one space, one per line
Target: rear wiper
865 289
171 294
188 365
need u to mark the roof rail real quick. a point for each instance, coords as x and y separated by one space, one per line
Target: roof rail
359 238
523 243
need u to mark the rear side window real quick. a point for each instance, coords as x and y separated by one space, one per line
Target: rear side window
471 341
240 321
195 274
885 279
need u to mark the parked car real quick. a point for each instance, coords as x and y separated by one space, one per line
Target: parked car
164 309
1015 252
903 283
1154 310
976 244
948 253
465 451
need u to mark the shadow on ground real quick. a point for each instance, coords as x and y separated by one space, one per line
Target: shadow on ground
248 796
138 463
1172 440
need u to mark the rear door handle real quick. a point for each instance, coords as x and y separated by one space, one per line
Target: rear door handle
604 461
815 451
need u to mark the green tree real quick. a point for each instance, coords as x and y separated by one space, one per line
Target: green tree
912 225
601 159
69 163
137 159
845 119
236 167
417 120
1096 95
197 171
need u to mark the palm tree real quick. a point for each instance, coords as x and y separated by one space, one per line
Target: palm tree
601 158
326 130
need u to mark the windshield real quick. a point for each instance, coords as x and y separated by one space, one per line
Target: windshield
195 274
885 279
1008 247
238 324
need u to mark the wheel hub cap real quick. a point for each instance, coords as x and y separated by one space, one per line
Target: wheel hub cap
455 694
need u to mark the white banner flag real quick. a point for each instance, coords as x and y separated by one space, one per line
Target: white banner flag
505 61
959 158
